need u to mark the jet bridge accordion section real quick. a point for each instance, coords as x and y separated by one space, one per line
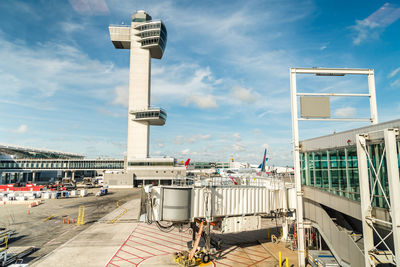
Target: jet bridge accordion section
182 203
240 201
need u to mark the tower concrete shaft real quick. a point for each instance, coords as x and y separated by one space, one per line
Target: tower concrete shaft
139 97
146 39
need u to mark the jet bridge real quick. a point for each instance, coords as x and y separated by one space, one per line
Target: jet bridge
225 209
223 205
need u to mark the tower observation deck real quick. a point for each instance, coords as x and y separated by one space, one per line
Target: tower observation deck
146 39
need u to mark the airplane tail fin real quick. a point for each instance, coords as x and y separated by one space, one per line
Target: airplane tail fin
265 159
187 163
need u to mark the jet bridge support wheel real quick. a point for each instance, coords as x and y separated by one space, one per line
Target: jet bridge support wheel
205 258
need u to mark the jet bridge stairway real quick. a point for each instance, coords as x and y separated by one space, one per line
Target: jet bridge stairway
344 243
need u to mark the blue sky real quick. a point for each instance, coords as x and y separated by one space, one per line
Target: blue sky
224 77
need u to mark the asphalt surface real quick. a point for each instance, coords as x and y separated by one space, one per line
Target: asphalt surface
32 228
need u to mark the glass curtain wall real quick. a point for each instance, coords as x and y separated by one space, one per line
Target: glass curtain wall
336 171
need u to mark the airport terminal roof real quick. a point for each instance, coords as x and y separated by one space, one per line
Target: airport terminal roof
29 152
344 139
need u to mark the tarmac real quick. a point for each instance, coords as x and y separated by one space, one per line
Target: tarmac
118 239
46 227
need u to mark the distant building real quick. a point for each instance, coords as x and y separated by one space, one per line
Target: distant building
25 164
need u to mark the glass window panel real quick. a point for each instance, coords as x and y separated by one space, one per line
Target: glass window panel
325 181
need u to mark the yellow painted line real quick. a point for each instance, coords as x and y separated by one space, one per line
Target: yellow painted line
49 218
206 264
4 243
119 216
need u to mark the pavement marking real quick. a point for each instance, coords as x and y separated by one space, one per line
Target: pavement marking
109 262
48 242
119 216
147 241
222 263
257 262
49 218
51 241
140 250
125 259
178 244
157 243
144 245
164 233
150 247
252 254
229 259
269 251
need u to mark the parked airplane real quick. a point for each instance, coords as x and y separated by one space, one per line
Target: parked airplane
263 163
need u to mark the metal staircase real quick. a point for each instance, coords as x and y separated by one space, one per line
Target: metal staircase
345 244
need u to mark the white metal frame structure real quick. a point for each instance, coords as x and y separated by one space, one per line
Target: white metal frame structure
372 255
295 129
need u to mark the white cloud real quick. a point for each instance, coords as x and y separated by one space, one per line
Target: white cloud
108 112
160 144
41 70
205 136
396 83
364 31
237 136
262 114
192 139
23 128
203 102
70 27
89 6
185 151
345 112
185 84
244 95
238 147
121 95
197 137
229 30
394 72
265 146
179 140
256 131
228 38
372 26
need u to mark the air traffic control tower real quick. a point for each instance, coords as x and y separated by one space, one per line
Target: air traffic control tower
146 39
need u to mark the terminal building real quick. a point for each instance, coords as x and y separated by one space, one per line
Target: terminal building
350 185
31 165
23 164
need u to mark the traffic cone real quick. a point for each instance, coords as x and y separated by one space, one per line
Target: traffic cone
73 220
